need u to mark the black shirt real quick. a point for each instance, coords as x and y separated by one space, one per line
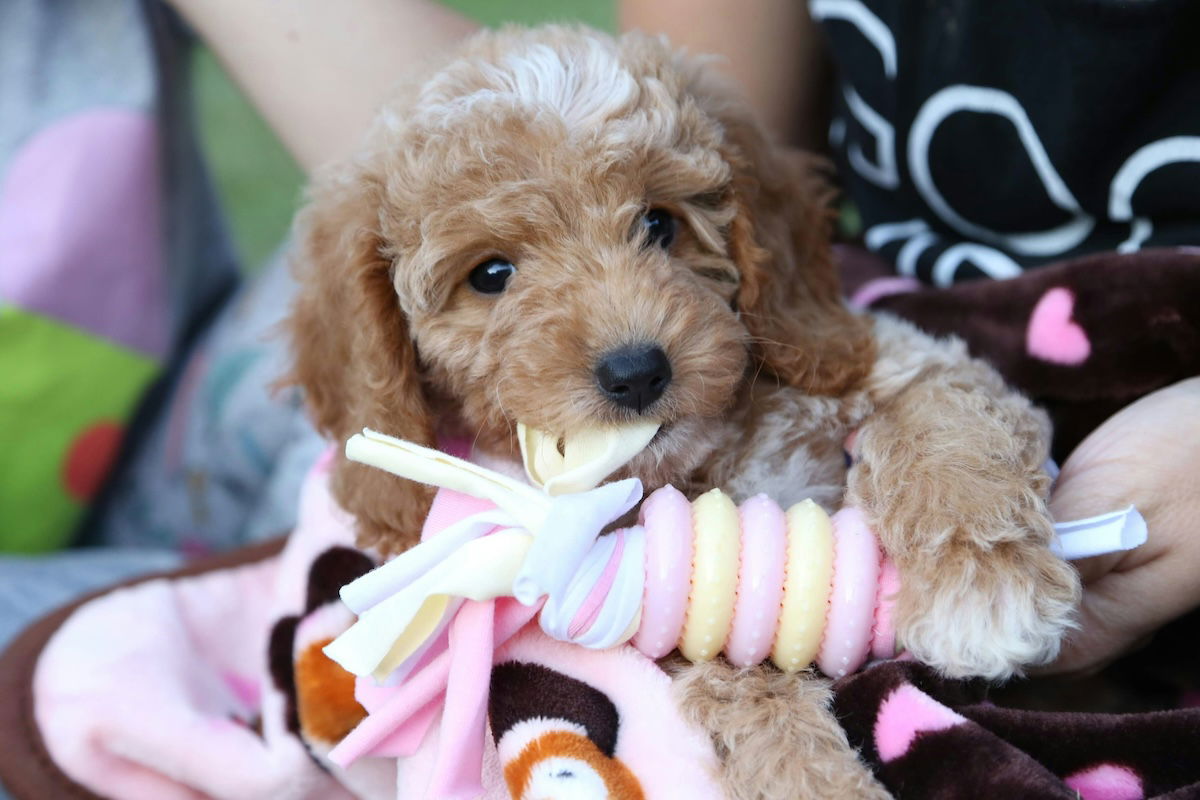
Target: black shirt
984 137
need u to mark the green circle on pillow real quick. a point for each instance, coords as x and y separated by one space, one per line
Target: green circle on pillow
57 383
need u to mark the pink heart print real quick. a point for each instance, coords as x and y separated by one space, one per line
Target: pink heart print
1052 335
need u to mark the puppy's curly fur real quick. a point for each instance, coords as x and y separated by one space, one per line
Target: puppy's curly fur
546 149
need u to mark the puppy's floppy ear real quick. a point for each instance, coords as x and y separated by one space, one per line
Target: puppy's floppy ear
354 357
789 297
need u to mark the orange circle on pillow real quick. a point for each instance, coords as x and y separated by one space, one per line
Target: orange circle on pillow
90 458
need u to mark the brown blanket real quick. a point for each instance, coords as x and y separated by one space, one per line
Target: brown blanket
1083 338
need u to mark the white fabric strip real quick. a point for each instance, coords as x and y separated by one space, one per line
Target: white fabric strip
561 607
1095 536
622 603
383 581
435 468
572 524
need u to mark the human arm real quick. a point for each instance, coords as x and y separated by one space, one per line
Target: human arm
772 48
316 70
1147 455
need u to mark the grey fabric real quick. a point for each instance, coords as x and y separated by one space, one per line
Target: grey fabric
222 466
58 57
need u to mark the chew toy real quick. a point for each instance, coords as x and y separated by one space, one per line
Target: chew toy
705 576
795 587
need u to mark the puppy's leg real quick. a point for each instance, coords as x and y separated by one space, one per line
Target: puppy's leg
775 733
951 474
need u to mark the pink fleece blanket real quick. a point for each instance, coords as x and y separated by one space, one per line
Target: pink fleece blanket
187 688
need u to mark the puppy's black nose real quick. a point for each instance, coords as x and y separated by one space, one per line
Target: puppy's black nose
634 376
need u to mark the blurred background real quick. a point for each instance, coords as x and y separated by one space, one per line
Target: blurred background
259 183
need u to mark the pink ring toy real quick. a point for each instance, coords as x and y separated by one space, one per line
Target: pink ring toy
852 601
755 582
667 517
883 639
760 582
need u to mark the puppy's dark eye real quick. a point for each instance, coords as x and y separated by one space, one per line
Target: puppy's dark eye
491 276
659 227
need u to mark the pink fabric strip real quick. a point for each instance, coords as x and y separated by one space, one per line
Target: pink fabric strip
421 688
408 700
587 613
457 769
406 740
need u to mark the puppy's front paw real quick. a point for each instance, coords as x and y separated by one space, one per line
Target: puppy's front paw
987 612
950 472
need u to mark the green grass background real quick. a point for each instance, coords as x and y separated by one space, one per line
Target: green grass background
257 180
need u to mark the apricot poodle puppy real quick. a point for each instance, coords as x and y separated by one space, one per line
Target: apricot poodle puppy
567 230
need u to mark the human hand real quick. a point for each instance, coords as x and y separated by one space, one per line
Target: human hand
1147 455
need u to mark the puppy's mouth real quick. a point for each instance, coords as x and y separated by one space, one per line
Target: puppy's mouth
581 459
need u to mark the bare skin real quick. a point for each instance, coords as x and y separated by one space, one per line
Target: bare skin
771 47
318 71
1145 455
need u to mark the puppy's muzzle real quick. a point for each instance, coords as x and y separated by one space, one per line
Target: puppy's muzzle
634 376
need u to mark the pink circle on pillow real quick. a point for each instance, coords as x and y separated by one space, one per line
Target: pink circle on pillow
80 230
760 582
667 517
852 601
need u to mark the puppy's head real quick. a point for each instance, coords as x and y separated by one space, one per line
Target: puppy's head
565 230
